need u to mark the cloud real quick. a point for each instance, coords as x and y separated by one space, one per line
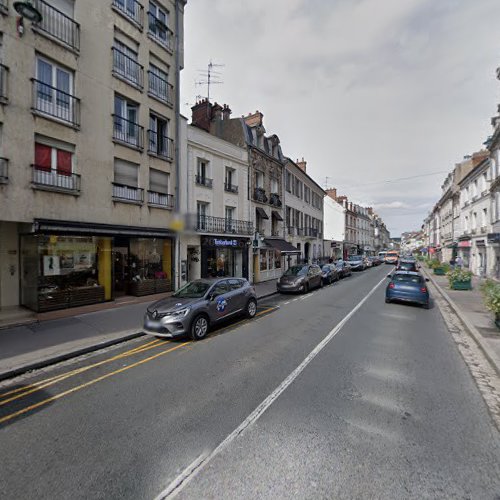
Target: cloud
391 205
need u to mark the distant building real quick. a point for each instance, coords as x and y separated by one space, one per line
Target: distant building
334 228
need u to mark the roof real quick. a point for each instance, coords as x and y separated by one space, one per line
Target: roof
282 245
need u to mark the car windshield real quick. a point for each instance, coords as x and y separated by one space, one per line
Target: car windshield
355 257
407 265
407 278
296 271
326 268
193 290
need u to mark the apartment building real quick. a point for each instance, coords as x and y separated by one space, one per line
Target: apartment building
333 228
217 240
88 172
303 211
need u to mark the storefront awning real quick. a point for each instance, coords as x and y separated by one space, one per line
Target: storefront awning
282 245
261 213
276 215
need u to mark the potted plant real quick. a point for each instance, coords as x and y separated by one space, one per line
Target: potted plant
491 292
440 268
460 279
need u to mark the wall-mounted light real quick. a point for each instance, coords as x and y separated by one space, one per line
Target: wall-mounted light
26 10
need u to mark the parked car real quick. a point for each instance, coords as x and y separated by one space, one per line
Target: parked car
407 265
357 262
343 268
375 260
300 278
195 307
329 273
407 286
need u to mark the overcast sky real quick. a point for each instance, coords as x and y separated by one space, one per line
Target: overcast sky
367 91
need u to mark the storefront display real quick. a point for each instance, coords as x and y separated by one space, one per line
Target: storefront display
224 257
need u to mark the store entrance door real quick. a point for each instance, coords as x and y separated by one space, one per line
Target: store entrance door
120 267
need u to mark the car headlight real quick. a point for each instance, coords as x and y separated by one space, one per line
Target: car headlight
181 313
298 281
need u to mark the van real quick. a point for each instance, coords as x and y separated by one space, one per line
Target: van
391 257
381 255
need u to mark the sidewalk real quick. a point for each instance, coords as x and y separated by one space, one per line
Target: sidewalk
68 333
469 307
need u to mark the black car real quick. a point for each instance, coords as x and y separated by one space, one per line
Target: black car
343 268
407 265
329 273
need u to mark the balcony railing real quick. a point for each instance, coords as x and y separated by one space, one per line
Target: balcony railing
259 195
4 71
4 170
56 103
132 9
58 25
128 132
274 199
230 188
127 68
291 231
160 88
311 232
160 145
204 181
53 179
161 199
220 225
132 194
160 32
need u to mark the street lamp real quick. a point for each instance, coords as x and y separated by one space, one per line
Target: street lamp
28 10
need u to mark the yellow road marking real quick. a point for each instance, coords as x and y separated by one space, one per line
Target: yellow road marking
87 384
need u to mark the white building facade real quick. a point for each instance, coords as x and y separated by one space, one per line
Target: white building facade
334 228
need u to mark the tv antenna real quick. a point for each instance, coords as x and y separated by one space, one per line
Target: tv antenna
210 76
327 179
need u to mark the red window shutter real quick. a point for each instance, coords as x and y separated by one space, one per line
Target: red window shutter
43 157
63 162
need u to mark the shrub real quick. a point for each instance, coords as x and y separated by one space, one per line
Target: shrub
491 292
459 275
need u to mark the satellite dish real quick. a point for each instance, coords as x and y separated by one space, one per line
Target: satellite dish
27 10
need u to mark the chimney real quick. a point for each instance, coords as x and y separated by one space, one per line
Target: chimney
216 112
201 114
226 112
255 119
332 193
302 164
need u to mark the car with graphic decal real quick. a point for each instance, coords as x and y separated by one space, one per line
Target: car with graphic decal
198 305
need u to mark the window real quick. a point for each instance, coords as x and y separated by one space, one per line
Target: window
125 185
288 180
307 194
158 84
126 127
53 165
158 24
202 172
202 211
159 142
125 62
259 180
230 180
57 21
484 217
274 186
474 220
131 8
484 182
159 188
229 216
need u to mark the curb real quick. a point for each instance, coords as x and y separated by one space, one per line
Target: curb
267 295
14 372
474 333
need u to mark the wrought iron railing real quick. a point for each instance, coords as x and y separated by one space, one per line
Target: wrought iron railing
128 132
127 193
201 180
57 24
51 178
230 188
311 232
221 225
161 199
160 32
56 103
127 67
160 145
131 9
160 88
4 170
274 199
260 195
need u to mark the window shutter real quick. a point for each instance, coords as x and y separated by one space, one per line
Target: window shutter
126 173
64 162
158 181
43 157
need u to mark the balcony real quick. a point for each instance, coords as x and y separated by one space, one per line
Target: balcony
230 188
132 10
127 194
259 195
160 145
291 231
128 132
160 32
220 225
57 25
159 88
50 179
127 68
4 72
201 180
311 232
161 200
55 104
4 171
274 200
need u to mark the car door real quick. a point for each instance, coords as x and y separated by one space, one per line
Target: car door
220 305
316 275
237 294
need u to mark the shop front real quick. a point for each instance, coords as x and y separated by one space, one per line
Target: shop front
222 256
273 259
463 250
69 264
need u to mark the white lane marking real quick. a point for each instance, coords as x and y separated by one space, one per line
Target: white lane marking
286 303
184 479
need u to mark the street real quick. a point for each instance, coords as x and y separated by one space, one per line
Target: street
386 408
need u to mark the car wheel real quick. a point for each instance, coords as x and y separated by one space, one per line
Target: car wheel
387 301
251 309
306 288
199 327
321 283
427 306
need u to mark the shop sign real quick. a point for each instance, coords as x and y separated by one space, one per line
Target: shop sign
494 238
464 244
224 242
480 243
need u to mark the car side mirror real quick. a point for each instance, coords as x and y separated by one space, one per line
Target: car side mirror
389 275
427 279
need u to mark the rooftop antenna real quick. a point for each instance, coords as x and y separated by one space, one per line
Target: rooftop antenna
210 77
326 184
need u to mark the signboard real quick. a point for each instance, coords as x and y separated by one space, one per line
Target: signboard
464 244
494 238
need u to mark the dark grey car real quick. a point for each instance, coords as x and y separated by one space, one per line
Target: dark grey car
198 305
300 278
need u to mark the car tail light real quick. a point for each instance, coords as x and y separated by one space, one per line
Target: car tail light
423 289
391 285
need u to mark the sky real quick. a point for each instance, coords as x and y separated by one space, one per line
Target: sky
380 97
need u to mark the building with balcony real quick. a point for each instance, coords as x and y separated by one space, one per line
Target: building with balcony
303 211
218 233
87 152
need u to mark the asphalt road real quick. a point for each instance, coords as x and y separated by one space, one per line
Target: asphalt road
385 409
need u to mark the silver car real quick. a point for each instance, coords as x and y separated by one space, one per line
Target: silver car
195 307
300 278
